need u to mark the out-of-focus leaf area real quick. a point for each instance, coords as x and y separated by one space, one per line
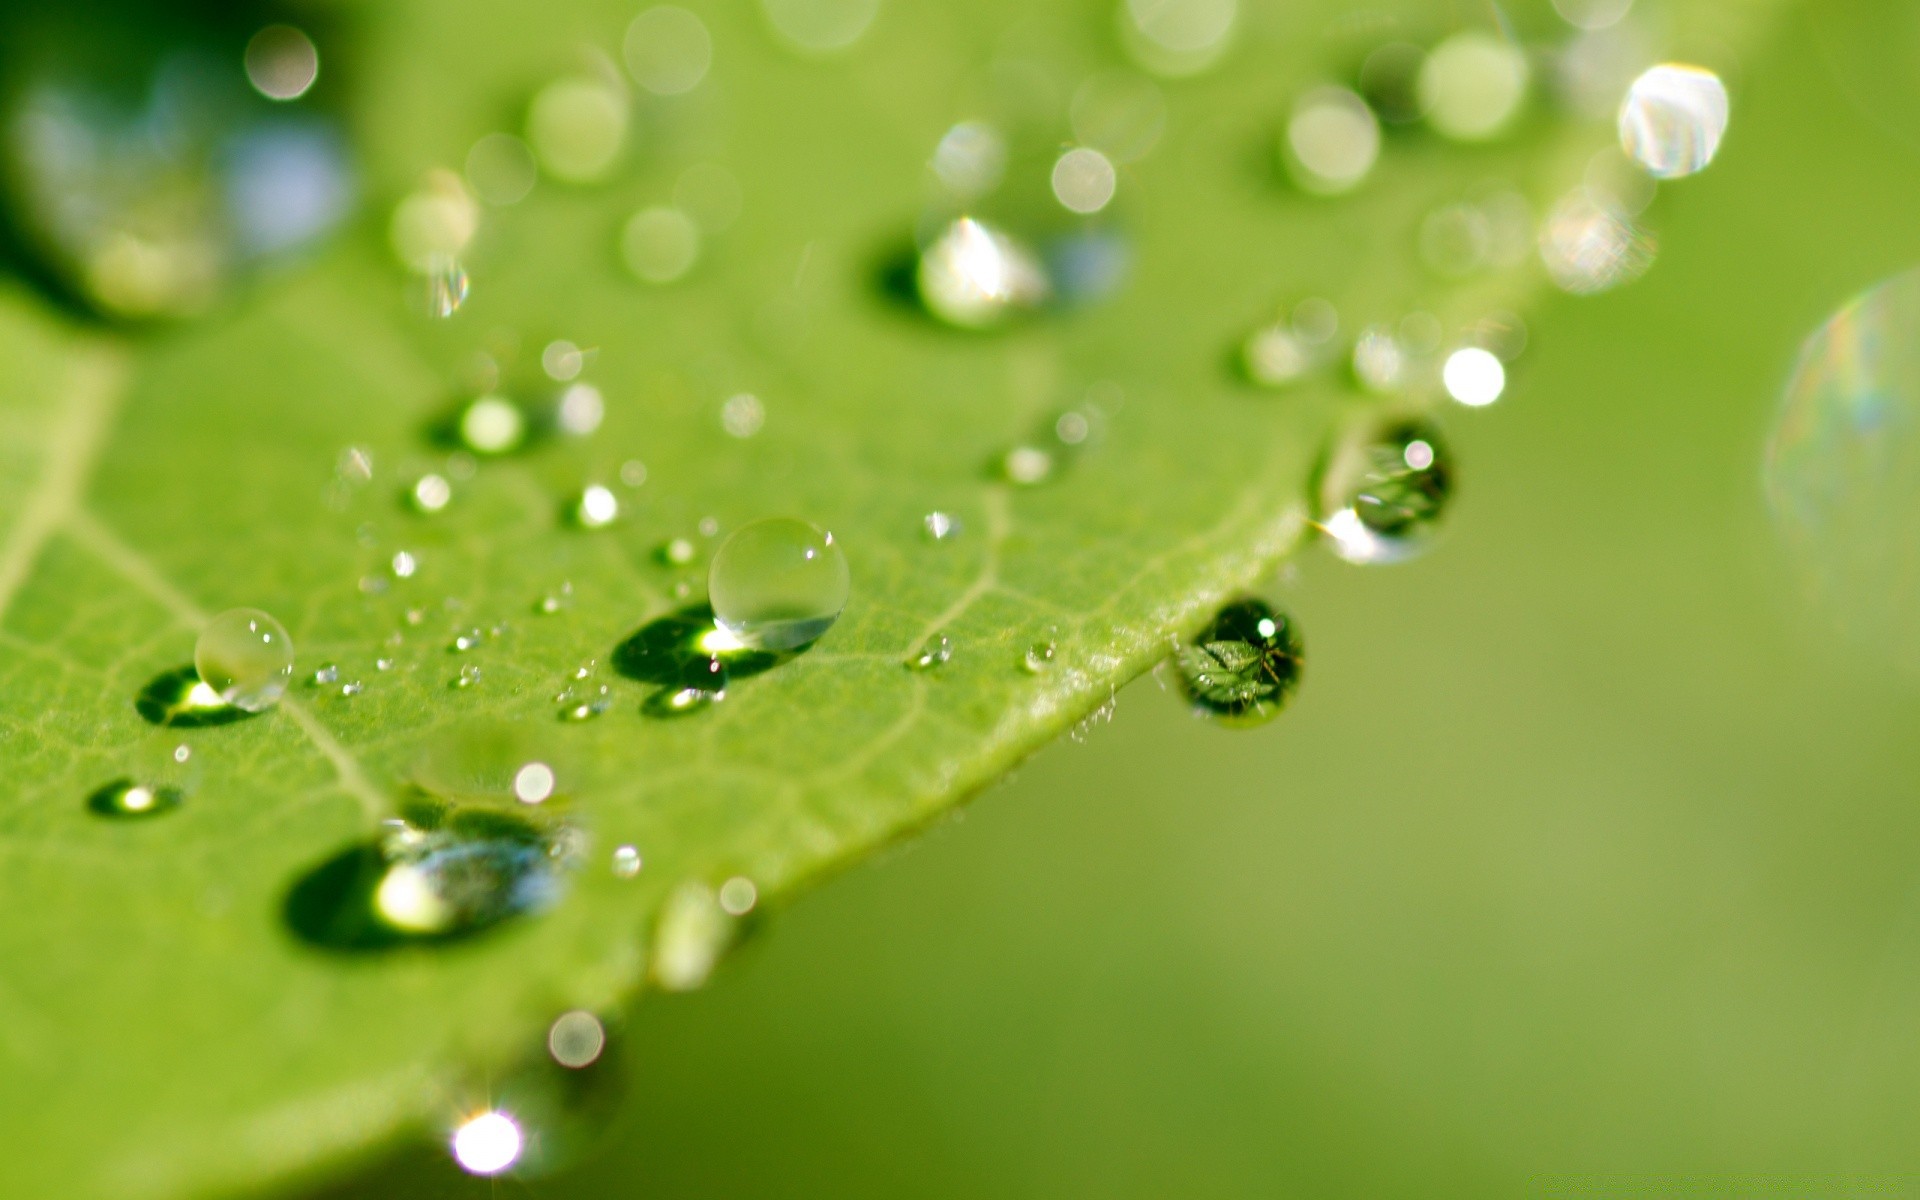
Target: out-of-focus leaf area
661 455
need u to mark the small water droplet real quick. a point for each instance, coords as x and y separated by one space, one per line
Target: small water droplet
596 507
693 931
182 752
626 861
246 657
688 700
487 1143
414 616
463 642
677 552
562 360
975 276
742 415
1038 657
778 584
1244 666
1276 355
575 1039
404 564
430 493
448 287
1382 494
1473 85
383 664
355 464
580 410
328 673
468 676
127 798
941 526
1027 466
352 688
1381 361
738 895
557 600
491 425
1673 119
935 653
1084 180
1332 141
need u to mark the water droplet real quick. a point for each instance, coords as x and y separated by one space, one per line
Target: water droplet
738 896
182 752
941 526
587 707
1038 657
742 415
818 27
246 657
491 425
577 127
1244 666
430 493
1083 180
575 1039
974 276
687 700
355 465
126 798
633 473
487 1143
404 564
692 933
383 664
1473 84
501 169
1276 355
778 584
433 225
668 50
329 673
468 676
352 688
1380 361
1474 376
555 601
1177 37
1383 493
281 62
468 640
678 552
596 507
1072 428
935 653
1588 247
1332 141
659 245
562 360
1027 466
970 160
626 861
709 527
1673 119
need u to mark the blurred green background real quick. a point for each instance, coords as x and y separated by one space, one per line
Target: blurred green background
1585 862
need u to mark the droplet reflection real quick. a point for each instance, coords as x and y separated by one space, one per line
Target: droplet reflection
1673 119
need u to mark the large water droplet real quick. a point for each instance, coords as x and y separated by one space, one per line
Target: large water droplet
778 584
1244 666
1473 84
246 657
1589 246
1382 494
975 276
1673 119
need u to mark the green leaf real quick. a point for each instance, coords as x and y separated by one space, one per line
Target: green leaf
163 1029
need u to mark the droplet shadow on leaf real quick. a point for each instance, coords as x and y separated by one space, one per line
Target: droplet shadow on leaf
893 280
669 652
168 700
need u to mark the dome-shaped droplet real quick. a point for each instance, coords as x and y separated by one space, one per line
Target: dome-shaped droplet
1245 665
975 276
1381 495
246 657
131 798
778 584
1673 119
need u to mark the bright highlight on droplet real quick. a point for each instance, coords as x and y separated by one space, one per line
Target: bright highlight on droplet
282 62
1589 247
970 159
246 657
492 425
974 276
1083 180
743 415
1474 377
575 1039
660 245
431 493
577 128
487 1144
1471 87
533 783
778 583
597 507
668 50
1673 119
1332 141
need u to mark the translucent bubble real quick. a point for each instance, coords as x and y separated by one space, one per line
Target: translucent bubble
626 861
660 245
246 657
1382 493
1332 141
970 159
1673 119
1083 180
820 26
935 653
1588 247
575 1039
1244 666
1119 114
1177 37
487 1144
975 276
281 62
778 584
497 761
668 50
501 170
433 225
577 128
1842 471
1473 84
1474 376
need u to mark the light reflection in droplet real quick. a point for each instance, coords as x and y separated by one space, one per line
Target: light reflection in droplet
562 360
1588 247
626 861
660 245
1673 119
282 63
1083 180
596 507
581 409
487 1143
1332 141
1474 376
492 425
974 275
1473 84
668 50
970 159
1027 465
577 127
575 1039
431 493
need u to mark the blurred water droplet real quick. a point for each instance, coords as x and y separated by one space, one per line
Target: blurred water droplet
596 507
492 425
633 473
692 932
329 673
738 895
1038 657
433 225
404 564
778 584
352 688
668 50
1244 666
1474 376
468 676
975 276
577 127
430 493
1593 14
819 27
1673 119
501 169
498 761
1332 141
383 664
1588 247
469 640
556 600
941 526
562 360
1027 466
1177 37
709 527
246 657
970 160
742 415
1472 85
1381 362
1083 180
127 798
659 245
687 700
281 62
1382 493
626 861
575 1039
936 653
487 1143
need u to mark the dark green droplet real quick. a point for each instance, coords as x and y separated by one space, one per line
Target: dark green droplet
1246 664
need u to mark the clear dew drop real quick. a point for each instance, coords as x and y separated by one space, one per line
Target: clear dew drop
128 798
246 657
976 276
940 526
1473 85
935 653
626 861
1673 118
682 701
1382 494
692 933
471 639
491 425
328 673
576 1039
469 675
352 687
778 584
1038 657
1244 666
